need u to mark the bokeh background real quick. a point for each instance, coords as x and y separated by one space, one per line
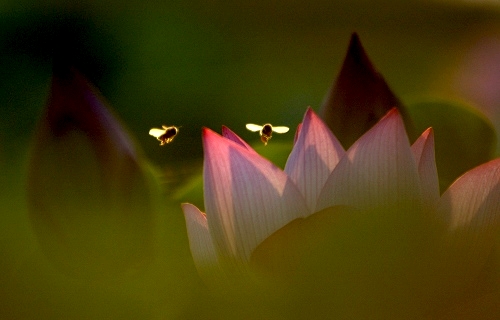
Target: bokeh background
209 63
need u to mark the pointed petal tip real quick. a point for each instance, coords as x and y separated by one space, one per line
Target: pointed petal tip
226 132
391 115
230 135
357 52
394 110
355 40
310 112
428 133
190 209
208 133
208 136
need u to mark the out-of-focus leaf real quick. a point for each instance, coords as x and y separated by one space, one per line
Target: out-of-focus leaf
464 138
359 97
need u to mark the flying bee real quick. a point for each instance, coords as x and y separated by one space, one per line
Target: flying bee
165 135
266 131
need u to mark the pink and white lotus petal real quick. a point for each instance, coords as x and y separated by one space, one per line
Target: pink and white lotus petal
423 150
367 202
473 200
297 131
471 210
247 198
200 242
229 134
378 171
315 154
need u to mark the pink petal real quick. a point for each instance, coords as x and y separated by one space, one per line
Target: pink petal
378 170
229 134
423 150
247 198
314 156
472 203
471 211
299 127
200 241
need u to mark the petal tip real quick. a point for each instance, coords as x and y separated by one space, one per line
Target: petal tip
310 113
207 133
428 133
393 115
227 133
191 209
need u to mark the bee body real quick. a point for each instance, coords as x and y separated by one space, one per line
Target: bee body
165 135
266 130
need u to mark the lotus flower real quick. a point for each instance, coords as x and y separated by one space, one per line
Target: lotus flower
358 233
91 193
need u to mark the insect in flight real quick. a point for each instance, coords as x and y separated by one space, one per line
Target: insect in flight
266 131
165 135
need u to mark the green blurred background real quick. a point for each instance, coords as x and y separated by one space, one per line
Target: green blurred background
209 63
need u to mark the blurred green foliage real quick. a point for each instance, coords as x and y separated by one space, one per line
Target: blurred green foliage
191 64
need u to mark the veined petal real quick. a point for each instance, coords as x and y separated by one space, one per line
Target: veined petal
378 170
247 198
473 201
471 211
229 134
423 150
315 154
200 240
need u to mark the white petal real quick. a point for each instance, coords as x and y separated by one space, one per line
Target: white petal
470 209
200 241
247 198
423 150
378 170
315 154
473 200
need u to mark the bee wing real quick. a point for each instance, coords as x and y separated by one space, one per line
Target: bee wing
281 129
155 132
253 127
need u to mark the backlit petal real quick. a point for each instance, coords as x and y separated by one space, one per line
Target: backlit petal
229 134
314 156
473 200
423 150
200 241
378 170
470 209
247 198
299 127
